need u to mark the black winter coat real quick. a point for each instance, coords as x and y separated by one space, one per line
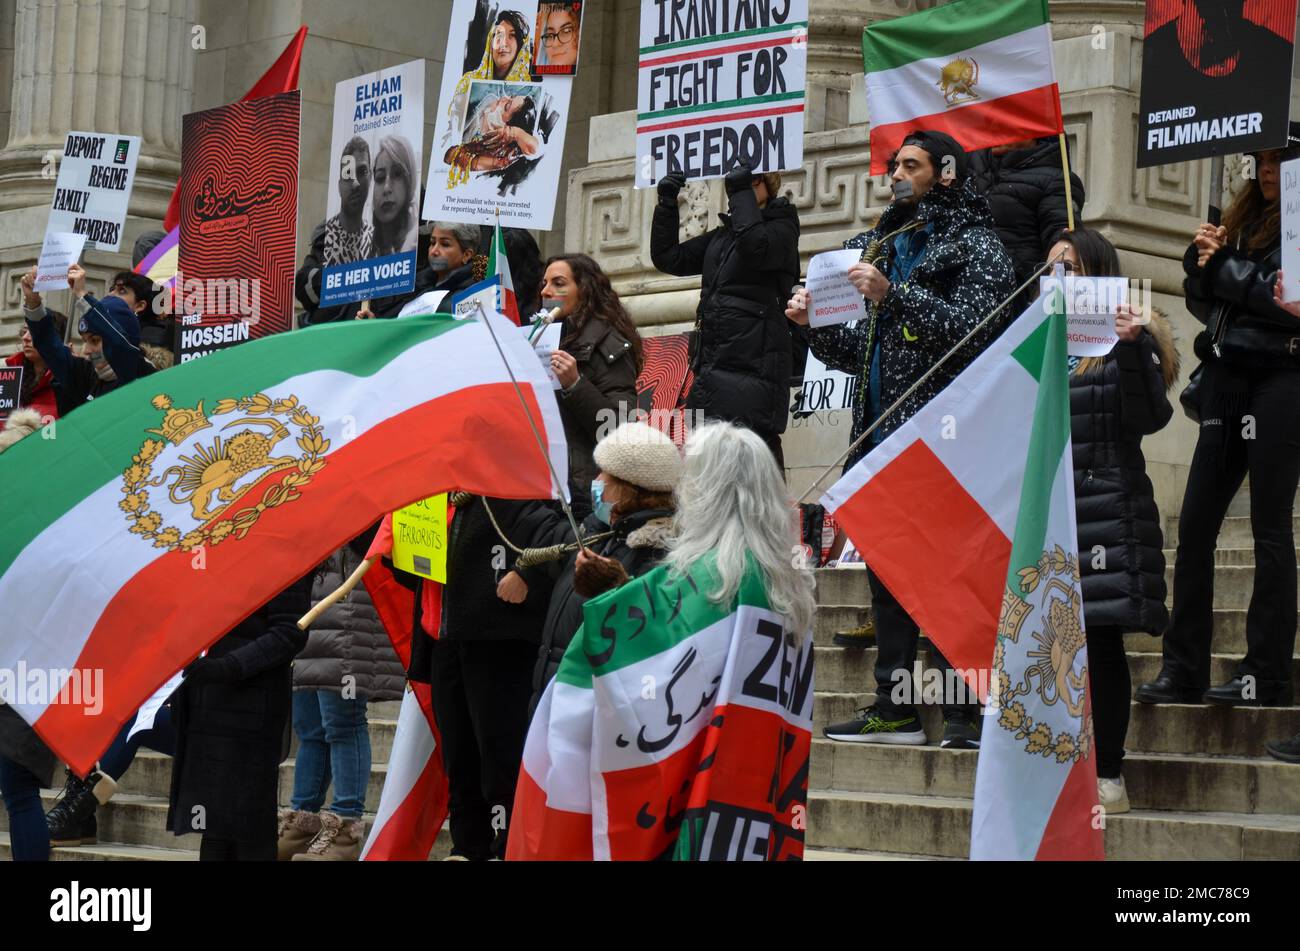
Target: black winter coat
741 352
1026 190
1259 334
1114 402
965 273
603 397
231 736
639 543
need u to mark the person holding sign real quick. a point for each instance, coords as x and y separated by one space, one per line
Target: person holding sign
1115 400
1245 394
932 269
454 262
37 390
597 363
740 352
110 336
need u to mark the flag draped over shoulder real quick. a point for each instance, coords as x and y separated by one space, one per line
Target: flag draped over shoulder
192 497
979 70
674 728
975 489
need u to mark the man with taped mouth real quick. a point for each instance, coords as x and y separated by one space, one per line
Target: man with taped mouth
932 269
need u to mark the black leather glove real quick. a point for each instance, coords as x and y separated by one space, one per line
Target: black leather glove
669 186
739 178
212 670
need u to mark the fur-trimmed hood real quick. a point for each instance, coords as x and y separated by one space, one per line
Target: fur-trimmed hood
20 424
1162 334
655 533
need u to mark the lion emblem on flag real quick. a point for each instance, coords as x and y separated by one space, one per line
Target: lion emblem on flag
214 476
958 80
1048 590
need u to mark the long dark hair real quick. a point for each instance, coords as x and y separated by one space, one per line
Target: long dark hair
1097 255
30 376
1253 220
599 302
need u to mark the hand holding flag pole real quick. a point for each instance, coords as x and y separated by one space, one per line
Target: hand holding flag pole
812 489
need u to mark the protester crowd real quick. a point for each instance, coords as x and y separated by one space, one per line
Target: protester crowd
965 236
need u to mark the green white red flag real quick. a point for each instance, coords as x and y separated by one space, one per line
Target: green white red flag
499 266
161 514
966 514
675 728
979 70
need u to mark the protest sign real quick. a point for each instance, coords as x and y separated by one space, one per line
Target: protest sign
420 538
664 383
423 305
499 135
61 250
486 292
94 187
11 388
720 82
834 298
823 389
559 30
1291 230
372 214
198 335
239 212
1216 79
547 342
1090 306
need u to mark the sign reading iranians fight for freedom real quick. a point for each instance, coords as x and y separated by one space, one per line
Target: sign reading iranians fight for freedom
720 82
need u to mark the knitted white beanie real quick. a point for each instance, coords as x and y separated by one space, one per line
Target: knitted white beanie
641 455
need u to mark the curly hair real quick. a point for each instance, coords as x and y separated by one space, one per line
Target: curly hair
597 301
1251 220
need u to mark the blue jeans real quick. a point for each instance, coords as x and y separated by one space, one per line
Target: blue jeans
333 742
29 837
161 738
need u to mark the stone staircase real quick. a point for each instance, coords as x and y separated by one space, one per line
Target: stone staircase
1201 785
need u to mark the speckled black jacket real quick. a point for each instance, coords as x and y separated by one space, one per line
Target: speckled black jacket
966 272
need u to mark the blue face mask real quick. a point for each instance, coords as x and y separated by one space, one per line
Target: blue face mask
599 506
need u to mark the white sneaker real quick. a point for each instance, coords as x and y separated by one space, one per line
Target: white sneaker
1113 796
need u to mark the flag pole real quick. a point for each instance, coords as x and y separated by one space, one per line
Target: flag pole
1069 194
925 376
559 486
1214 214
308 619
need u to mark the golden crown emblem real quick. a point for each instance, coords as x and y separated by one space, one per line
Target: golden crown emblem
179 424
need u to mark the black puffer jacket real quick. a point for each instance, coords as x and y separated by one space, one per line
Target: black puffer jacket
1026 190
1114 402
965 273
230 735
742 352
1259 334
639 543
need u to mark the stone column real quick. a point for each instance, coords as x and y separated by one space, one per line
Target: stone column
104 66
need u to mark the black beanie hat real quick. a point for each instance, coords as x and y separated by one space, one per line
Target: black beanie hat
937 145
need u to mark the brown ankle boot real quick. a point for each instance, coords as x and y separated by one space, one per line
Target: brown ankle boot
339 840
297 829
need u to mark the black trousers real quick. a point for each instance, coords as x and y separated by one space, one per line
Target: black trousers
236 850
1112 694
1272 458
896 637
480 696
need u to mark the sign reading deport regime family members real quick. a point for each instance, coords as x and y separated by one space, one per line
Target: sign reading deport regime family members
93 189
720 82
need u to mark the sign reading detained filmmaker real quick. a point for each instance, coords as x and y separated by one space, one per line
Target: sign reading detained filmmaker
94 188
1216 78
498 133
372 213
720 82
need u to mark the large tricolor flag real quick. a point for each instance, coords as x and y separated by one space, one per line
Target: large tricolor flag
966 513
675 728
165 512
979 70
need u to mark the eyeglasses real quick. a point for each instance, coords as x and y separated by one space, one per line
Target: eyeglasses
562 37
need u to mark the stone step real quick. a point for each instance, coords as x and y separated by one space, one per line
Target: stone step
1233 585
1234 533
130 819
1225 556
105 852
940 825
1246 785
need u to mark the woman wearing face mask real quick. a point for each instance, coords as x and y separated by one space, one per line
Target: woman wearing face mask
110 343
454 262
597 363
396 188
1249 387
1115 401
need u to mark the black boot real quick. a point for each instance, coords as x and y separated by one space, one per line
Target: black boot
74 813
1164 689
